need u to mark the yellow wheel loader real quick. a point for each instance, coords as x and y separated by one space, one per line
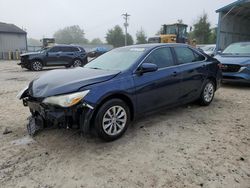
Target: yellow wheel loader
173 33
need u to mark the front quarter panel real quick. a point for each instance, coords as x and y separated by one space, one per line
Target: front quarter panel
123 85
37 56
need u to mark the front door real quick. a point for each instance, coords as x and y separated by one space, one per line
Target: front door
159 88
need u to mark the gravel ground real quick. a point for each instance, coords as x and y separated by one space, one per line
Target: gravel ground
188 146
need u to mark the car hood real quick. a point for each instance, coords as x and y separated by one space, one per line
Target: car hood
57 82
30 53
229 59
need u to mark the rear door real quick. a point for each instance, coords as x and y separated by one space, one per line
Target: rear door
193 71
159 88
68 54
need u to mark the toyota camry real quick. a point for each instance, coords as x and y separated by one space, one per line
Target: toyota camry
121 85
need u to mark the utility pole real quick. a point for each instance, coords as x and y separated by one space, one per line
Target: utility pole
125 16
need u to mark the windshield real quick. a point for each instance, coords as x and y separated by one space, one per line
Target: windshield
238 49
171 29
117 59
182 31
43 49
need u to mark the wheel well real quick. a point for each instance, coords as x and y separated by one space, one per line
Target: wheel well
213 80
116 96
77 58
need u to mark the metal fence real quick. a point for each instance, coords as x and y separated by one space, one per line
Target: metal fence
15 55
10 55
34 48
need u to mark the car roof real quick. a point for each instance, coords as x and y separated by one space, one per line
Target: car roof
66 45
155 45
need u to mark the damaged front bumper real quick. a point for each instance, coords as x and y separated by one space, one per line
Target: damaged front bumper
24 64
43 116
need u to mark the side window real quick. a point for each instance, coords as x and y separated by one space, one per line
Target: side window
162 57
55 49
186 55
69 49
199 57
64 49
74 49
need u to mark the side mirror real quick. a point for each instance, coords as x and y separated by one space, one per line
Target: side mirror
147 67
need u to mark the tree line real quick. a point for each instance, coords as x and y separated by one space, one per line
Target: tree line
201 31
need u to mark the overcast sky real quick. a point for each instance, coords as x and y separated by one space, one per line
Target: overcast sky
41 18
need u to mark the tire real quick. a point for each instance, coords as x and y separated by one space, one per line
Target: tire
36 65
77 63
108 126
85 61
207 93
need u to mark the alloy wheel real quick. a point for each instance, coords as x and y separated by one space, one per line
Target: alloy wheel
77 63
37 66
208 93
114 120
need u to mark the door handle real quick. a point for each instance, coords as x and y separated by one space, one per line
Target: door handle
174 74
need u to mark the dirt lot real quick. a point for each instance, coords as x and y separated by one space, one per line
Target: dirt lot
189 146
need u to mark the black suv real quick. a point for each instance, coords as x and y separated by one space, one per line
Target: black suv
59 55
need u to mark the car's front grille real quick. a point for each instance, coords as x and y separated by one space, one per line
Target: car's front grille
230 68
23 59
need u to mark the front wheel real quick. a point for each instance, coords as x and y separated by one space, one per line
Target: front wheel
36 65
112 120
207 94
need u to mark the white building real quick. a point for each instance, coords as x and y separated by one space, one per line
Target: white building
12 39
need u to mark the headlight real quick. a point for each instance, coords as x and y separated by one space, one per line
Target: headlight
19 95
66 100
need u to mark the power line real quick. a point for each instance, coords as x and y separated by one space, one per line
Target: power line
125 16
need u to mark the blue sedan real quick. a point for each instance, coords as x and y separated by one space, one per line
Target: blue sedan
120 86
235 61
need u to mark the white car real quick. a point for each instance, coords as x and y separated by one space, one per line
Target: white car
208 49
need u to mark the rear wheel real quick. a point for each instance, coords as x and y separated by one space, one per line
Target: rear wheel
77 63
36 65
207 94
112 120
85 61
